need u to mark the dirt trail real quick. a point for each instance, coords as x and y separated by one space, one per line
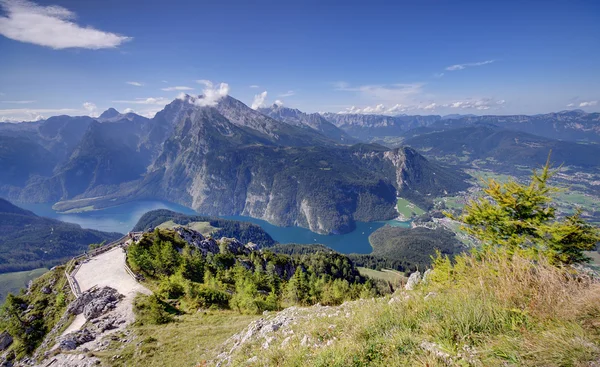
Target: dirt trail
108 269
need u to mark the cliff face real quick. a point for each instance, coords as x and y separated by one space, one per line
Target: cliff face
227 159
212 165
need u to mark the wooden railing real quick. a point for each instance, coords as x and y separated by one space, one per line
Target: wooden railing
95 252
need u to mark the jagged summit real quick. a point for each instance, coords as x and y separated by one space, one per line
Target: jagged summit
312 121
109 114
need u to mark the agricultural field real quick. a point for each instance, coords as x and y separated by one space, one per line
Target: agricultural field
389 275
408 209
13 282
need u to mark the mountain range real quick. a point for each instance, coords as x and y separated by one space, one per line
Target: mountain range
220 159
573 125
504 148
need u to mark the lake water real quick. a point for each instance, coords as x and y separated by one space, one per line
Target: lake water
122 218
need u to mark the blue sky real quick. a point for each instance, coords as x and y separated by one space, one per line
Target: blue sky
407 56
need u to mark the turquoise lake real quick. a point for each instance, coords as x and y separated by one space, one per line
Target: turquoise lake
122 218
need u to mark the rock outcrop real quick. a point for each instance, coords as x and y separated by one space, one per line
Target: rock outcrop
95 302
5 340
413 280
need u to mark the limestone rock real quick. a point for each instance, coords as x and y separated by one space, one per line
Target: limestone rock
73 340
413 280
95 302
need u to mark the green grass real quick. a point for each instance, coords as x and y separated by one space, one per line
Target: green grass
388 275
408 209
188 341
203 227
13 282
453 202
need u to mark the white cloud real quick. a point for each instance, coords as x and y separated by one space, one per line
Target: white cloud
571 105
171 89
18 102
135 84
91 108
147 101
211 94
480 104
254 86
206 83
370 110
128 110
588 104
259 100
51 26
289 93
26 114
438 75
467 65
278 102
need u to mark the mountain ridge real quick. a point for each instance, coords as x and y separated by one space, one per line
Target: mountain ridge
225 158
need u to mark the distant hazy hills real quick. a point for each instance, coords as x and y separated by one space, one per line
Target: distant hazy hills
224 159
28 241
506 147
572 125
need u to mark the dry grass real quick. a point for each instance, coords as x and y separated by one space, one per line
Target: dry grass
486 310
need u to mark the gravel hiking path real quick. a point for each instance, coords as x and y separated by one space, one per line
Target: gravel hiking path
108 269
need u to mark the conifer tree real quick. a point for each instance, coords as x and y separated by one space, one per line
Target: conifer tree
523 218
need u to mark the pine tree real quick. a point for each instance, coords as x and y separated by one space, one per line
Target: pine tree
523 218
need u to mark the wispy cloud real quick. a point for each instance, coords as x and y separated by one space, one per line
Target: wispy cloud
259 100
205 82
571 105
135 84
383 92
254 86
289 93
18 102
147 101
588 104
178 88
51 26
479 104
468 65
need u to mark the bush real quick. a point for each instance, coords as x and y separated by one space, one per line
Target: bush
152 310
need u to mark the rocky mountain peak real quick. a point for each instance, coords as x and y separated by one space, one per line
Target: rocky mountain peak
109 114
